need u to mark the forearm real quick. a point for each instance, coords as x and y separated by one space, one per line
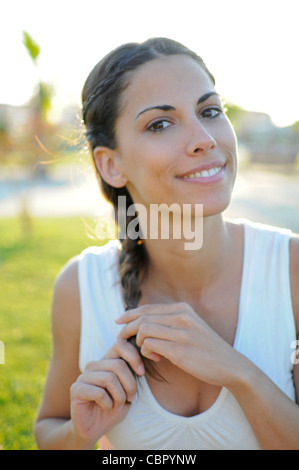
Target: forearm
273 416
60 434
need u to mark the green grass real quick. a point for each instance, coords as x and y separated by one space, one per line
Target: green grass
29 264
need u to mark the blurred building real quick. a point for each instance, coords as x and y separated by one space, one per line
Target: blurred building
265 142
13 118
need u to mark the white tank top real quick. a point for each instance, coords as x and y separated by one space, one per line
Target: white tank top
265 331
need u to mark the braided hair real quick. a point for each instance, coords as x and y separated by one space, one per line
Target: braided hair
100 108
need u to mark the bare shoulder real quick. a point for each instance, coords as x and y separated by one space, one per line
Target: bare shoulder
64 364
294 272
68 276
66 302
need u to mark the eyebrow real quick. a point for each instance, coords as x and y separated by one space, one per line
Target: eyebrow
167 107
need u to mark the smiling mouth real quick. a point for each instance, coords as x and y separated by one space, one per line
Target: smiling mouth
204 173
208 173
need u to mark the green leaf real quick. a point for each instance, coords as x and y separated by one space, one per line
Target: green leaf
45 97
31 46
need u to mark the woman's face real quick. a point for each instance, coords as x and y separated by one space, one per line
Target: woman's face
174 142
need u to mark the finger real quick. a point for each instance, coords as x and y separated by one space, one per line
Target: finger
153 330
150 309
154 357
84 393
124 376
127 351
109 381
169 320
129 330
160 347
120 369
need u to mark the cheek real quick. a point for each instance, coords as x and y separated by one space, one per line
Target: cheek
145 170
228 141
229 145
149 160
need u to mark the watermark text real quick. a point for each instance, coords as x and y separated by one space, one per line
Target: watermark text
156 221
295 354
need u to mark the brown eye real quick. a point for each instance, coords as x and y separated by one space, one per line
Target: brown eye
211 112
159 126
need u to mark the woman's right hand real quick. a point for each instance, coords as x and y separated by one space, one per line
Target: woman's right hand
101 396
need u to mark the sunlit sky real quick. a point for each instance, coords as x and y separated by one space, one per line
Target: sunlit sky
250 46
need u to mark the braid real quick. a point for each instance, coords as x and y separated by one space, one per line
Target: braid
132 271
133 264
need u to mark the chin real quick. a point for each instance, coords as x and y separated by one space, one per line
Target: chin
216 207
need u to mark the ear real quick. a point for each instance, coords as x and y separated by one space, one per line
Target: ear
106 163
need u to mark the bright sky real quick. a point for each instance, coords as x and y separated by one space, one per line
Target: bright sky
251 46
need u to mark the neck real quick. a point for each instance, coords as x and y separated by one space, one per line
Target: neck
175 272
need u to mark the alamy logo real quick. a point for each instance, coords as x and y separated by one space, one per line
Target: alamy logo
295 354
2 353
159 221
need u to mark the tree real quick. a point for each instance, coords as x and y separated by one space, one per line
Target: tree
43 99
40 129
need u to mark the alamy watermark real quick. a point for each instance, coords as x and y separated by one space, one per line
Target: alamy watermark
2 353
159 221
295 353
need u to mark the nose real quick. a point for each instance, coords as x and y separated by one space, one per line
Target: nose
200 140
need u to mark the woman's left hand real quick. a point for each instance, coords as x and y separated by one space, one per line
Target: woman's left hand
176 332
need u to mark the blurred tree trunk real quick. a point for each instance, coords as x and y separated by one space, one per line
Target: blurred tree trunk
37 131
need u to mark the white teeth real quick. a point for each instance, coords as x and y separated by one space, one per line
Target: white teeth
204 173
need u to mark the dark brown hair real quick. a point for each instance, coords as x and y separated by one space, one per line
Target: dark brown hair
100 108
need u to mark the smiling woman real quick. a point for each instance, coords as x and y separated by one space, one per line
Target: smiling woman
156 346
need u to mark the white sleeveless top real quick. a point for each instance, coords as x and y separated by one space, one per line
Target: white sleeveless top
265 331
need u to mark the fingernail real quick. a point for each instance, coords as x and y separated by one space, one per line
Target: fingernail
132 397
140 369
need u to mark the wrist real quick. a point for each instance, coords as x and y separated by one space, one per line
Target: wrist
77 441
241 375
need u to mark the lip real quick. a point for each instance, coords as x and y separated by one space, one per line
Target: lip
203 166
207 179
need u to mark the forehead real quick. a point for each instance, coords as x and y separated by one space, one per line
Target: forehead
163 80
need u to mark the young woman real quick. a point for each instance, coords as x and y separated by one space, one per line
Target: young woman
156 346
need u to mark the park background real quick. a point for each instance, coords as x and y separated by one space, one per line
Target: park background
50 205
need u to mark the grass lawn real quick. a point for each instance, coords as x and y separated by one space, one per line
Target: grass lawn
29 265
